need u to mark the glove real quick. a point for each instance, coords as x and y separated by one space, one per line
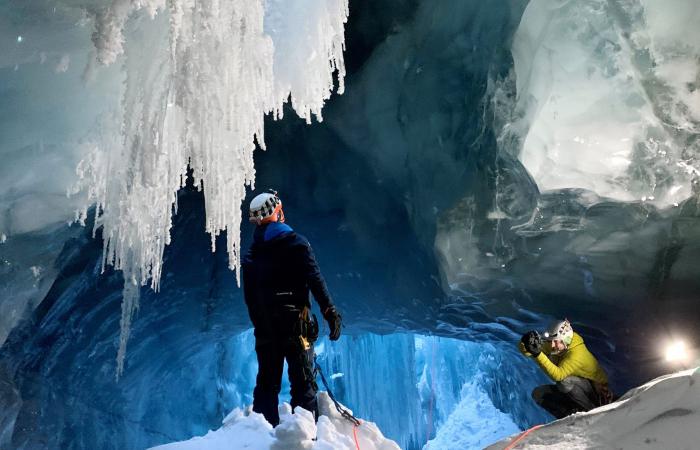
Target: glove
532 343
335 322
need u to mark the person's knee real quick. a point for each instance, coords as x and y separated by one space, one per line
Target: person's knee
267 386
302 378
567 384
268 379
304 389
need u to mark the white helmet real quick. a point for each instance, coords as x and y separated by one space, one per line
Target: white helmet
560 331
266 207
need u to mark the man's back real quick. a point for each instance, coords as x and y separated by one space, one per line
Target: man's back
278 272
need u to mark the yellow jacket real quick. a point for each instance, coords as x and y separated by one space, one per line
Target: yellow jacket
576 361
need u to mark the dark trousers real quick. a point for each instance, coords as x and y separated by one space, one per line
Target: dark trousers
571 395
271 355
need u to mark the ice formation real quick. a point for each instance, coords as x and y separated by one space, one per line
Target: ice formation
435 383
446 390
198 86
663 413
475 423
610 95
414 137
248 430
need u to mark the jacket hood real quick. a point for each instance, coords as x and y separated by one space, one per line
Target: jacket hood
576 340
271 232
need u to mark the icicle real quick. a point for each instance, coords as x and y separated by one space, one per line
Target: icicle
130 303
318 44
199 82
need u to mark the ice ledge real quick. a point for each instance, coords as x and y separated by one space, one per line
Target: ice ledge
250 431
663 413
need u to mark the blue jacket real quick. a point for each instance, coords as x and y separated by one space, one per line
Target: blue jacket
278 272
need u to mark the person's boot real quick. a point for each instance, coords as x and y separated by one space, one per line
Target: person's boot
580 391
265 403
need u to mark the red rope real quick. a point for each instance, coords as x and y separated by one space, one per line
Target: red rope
354 433
521 437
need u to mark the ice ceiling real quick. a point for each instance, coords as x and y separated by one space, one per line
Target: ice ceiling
488 166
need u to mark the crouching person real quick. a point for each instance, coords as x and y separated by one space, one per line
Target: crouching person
581 383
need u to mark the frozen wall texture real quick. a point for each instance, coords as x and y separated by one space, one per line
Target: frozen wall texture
609 91
199 80
191 361
490 165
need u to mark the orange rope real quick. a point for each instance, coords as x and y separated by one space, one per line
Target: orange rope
521 437
354 433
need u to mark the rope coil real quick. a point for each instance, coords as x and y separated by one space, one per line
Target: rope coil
343 412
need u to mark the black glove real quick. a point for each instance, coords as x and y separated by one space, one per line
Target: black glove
335 322
532 342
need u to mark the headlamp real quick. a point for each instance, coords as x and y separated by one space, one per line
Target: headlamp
676 351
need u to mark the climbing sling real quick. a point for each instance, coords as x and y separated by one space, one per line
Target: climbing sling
343 412
308 333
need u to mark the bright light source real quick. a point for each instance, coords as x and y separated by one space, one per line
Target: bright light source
20 38
676 352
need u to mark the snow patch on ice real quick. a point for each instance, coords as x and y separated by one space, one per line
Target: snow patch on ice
298 431
36 271
63 64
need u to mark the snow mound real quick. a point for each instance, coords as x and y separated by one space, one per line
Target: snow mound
474 423
249 430
663 413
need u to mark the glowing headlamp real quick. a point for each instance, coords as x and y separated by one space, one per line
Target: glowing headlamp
676 351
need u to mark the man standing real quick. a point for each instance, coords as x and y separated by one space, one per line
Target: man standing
581 383
278 272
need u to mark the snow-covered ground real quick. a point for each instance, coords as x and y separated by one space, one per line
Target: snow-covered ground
662 414
248 430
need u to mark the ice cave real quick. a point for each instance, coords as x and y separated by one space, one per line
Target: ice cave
466 171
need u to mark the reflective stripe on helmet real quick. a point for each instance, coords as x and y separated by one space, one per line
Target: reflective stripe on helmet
560 331
264 206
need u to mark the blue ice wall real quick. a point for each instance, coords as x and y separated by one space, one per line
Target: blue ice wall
414 386
190 361
395 189
418 389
